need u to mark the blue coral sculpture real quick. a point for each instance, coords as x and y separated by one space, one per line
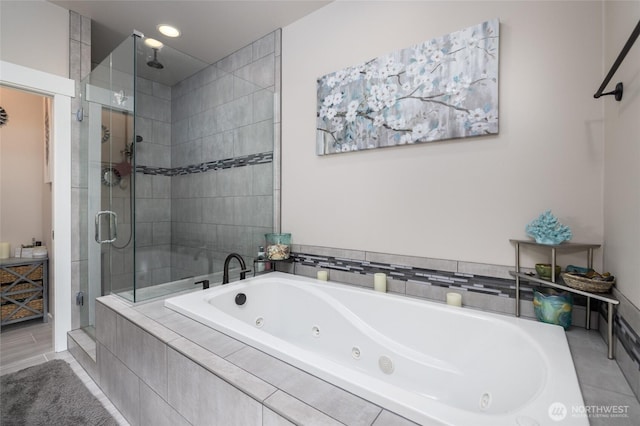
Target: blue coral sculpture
546 229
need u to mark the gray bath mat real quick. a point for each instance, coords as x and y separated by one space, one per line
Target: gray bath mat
49 394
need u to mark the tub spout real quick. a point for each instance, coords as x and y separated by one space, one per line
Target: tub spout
243 267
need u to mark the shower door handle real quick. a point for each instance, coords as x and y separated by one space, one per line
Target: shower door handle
113 226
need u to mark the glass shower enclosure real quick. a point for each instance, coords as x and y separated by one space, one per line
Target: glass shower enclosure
178 156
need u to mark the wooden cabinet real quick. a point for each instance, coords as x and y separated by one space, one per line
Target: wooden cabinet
23 289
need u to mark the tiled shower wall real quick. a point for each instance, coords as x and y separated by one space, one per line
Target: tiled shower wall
152 192
225 112
79 68
204 186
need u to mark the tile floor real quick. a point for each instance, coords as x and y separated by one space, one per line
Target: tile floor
30 343
601 381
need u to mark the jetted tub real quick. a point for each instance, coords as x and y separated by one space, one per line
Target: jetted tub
432 363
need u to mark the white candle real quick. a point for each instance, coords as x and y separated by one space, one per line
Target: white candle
5 250
323 275
380 282
454 299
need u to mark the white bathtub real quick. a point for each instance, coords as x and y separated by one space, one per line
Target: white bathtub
429 362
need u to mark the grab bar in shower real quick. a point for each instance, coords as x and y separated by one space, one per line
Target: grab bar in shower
618 90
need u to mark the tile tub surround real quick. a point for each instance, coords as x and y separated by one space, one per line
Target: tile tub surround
626 336
160 367
485 287
297 397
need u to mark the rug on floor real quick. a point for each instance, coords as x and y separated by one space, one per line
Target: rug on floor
49 394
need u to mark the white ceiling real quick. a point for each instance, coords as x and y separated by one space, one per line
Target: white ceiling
211 29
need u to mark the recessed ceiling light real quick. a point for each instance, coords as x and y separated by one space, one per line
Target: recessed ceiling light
153 43
168 30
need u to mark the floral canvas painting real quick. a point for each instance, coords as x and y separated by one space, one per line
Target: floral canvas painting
444 88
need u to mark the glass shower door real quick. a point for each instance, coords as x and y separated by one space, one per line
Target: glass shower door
109 131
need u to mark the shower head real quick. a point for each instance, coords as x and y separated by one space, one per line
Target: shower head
154 63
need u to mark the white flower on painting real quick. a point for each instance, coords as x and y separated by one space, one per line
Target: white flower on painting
332 81
492 117
437 56
350 116
452 88
479 126
331 112
337 123
420 58
337 98
398 122
392 66
419 80
429 47
344 148
323 112
456 44
353 106
328 101
368 75
354 75
383 73
378 120
413 69
459 98
477 114
419 130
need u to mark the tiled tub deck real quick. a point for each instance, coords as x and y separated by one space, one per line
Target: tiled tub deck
159 367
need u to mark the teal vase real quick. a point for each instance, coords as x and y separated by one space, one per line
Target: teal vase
553 307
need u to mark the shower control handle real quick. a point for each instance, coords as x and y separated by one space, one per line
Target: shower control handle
113 226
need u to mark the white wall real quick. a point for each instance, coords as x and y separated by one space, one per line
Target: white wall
35 34
22 187
622 152
458 199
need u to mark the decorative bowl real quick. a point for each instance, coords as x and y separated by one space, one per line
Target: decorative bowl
544 270
583 283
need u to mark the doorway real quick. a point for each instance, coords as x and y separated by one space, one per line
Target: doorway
25 221
61 90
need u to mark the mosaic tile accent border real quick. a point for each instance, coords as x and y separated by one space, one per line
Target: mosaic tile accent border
628 337
227 163
500 287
